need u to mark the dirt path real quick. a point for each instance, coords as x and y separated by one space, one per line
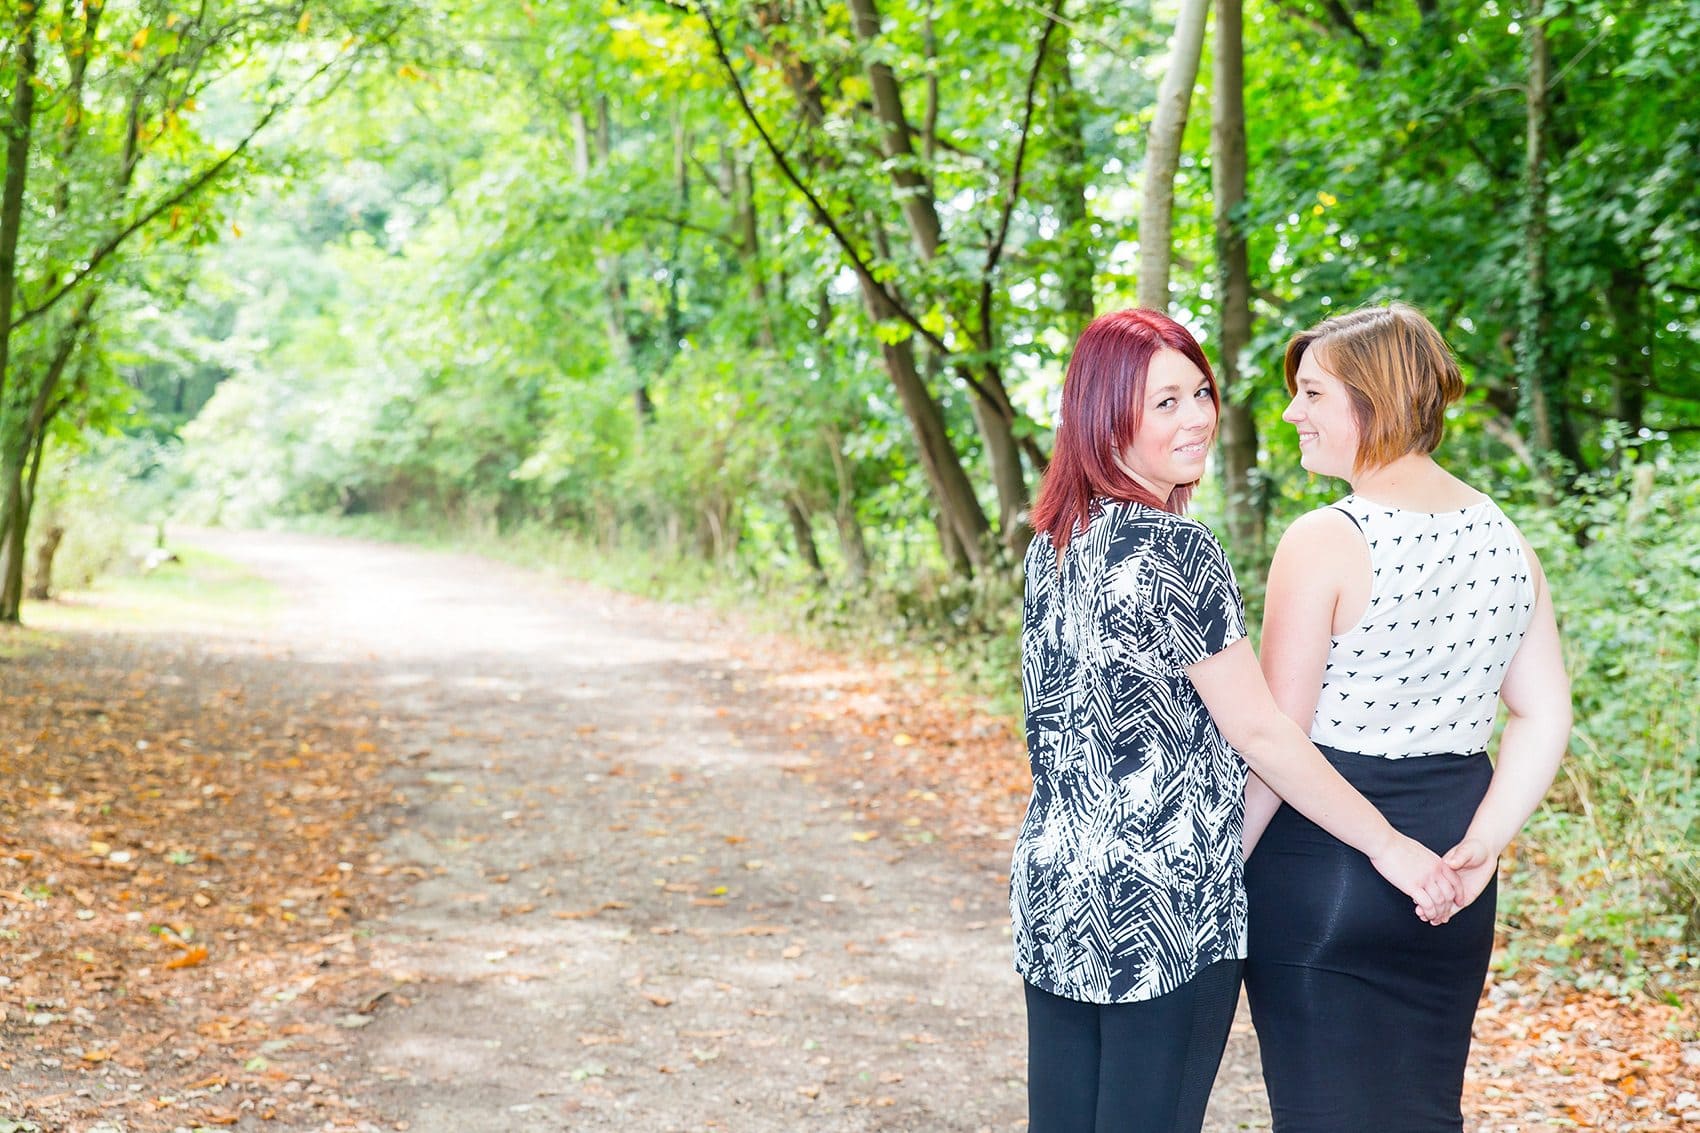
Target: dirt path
638 900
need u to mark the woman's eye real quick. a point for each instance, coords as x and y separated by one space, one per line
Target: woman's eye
1204 392
1166 403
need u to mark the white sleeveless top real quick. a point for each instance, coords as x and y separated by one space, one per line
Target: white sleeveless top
1450 601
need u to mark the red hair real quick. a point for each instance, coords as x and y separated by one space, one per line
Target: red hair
1103 402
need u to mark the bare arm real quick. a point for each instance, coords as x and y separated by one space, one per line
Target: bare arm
1307 580
1238 699
1303 595
1261 803
1536 693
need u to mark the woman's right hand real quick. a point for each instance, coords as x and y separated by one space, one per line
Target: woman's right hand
1423 876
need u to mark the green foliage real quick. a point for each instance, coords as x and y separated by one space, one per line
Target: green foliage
1613 856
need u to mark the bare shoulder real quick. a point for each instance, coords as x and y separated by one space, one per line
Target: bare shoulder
1319 532
1318 555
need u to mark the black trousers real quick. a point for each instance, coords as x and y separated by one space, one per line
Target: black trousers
1128 1067
1363 1012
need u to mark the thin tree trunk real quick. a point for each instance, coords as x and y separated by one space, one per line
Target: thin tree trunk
748 240
1233 286
1632 377
17 173
851 541
1076 267
41 589
958 505
682 188
1532 308
1163 155
952 493
594 140
914 195
994 415
804 536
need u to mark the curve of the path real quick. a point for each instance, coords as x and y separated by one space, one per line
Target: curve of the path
632 905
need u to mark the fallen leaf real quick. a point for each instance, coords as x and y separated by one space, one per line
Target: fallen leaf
189 958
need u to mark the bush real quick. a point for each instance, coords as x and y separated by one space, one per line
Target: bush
1612 857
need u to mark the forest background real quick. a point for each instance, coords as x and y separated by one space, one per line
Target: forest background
770 301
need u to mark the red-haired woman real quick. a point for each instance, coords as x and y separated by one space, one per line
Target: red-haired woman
1126 887
1396 622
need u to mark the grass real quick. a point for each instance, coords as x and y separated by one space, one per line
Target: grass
199 587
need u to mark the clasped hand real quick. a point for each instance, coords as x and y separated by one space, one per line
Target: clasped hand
1439 886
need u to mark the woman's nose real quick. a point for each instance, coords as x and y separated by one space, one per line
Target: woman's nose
1292 414
1202 415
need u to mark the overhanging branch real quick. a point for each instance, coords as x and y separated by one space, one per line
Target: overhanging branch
176 197
864 271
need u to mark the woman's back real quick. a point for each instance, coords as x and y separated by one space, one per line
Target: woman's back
1451 596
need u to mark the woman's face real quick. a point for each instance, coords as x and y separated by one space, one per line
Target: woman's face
1321 411
1179 421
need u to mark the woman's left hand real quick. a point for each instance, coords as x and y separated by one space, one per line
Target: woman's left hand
1476 864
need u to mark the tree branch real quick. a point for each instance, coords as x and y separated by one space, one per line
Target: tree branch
864 271
994 250
182 193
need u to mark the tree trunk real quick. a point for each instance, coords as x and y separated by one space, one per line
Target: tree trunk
1532 307
12 193
1632 377
950 487
850 539
748 239
41 588
803 533
914 195
1076 266
596 140
12 534
675 322
13 518
1233 288
993 414
1163 155
958 506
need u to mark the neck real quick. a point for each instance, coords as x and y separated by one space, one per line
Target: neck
1412 470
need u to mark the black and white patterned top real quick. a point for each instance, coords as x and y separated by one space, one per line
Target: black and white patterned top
1450 600
1126 878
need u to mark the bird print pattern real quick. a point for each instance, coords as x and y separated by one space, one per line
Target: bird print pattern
1126 877
1451 597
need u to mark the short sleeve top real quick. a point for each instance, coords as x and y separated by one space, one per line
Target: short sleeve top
1126 877
1451 596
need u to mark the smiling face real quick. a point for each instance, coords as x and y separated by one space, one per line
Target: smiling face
1176 427
1321 411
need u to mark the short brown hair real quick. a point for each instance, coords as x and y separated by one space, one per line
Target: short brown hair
1398 370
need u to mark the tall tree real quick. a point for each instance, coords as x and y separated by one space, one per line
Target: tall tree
1163 154
1233 286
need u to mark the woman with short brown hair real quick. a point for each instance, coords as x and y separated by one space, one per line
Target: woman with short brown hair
1395 622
